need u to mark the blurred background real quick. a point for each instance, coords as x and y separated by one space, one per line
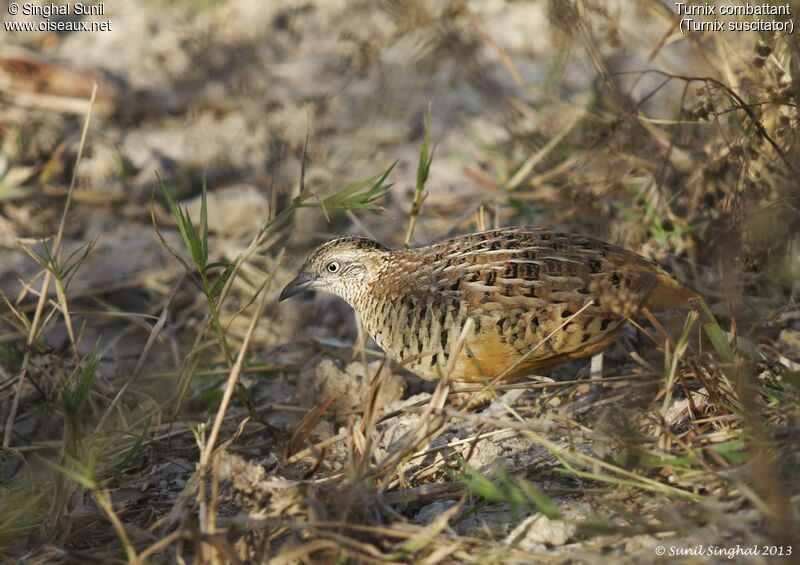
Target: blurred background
595 116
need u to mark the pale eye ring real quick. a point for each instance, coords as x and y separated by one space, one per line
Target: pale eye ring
333 267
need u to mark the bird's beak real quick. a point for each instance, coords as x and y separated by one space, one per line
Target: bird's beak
298 284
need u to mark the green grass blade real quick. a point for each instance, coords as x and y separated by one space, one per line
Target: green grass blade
477 483
190 235
76 391
175 210
193 240
172 251
718 338
216 290
425 156
514 495
81 474
131 452
543 503
360 196
204 221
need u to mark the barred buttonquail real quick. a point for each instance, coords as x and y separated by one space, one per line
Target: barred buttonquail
518 285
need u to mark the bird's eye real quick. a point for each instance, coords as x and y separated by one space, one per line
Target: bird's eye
333 267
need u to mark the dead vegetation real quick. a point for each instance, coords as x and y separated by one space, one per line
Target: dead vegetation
158 405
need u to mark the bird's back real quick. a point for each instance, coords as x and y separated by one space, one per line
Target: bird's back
522 288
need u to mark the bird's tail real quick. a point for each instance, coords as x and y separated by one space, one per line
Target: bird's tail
668 293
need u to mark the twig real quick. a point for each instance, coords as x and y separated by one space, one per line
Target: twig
163 543
104 500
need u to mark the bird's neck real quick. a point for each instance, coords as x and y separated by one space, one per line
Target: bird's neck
399 275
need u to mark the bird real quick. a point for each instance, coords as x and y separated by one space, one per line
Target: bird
492 305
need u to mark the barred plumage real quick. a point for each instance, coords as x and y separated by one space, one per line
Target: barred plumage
518 285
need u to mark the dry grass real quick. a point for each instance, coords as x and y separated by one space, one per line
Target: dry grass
210 443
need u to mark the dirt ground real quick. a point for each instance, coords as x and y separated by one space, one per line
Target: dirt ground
157 411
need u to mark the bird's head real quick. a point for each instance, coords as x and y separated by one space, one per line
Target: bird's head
343 266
